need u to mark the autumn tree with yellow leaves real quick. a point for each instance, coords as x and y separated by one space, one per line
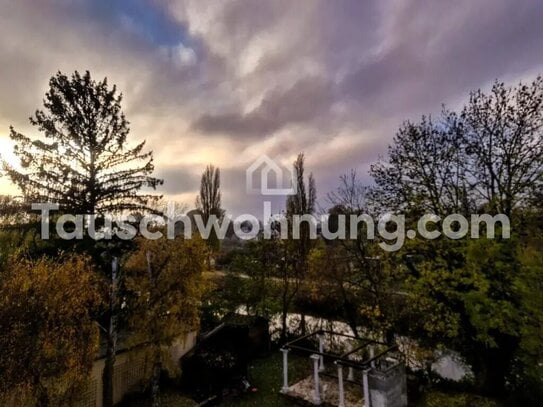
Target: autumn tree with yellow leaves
164 282
47 334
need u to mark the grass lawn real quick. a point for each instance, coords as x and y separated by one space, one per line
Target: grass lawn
267 376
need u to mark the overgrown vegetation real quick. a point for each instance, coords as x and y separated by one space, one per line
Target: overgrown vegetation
480 298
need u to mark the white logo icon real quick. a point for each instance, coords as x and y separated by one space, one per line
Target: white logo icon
269 168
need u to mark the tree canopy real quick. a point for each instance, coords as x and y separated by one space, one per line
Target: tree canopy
47 334
472 295
82 162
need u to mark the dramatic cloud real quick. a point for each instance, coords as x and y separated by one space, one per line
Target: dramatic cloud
223 82
276 110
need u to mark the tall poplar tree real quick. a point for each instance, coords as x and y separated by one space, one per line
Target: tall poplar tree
208 202
301 203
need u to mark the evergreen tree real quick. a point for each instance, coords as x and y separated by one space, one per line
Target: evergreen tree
83 163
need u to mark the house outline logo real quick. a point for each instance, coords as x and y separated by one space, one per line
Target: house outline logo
269 166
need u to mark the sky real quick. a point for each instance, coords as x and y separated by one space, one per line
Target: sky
225 82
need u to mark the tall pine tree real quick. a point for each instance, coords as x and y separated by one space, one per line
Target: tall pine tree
83 163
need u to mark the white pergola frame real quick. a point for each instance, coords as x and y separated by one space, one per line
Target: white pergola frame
340 360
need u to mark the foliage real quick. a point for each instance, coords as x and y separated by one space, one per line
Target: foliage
461 296
472 295
413 175
527 374
490 153
260 263
18 229
208 202
164 284
502 133
355 270
361 296
438 399
47 335
83 164
299 244
223 294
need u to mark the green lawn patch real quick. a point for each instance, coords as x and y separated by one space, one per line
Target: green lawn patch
267 376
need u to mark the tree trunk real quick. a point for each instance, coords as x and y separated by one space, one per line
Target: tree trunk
155 385
42 398
285 308
107 376
493 366
284 327
303 325
349 311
